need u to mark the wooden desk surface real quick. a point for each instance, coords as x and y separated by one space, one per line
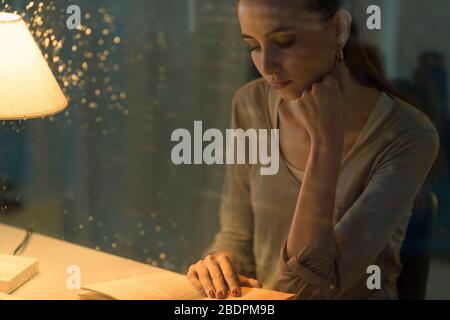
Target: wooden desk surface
54 258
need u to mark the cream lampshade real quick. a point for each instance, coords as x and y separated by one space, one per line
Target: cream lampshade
28 88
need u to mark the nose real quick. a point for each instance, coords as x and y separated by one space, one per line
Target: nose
270 63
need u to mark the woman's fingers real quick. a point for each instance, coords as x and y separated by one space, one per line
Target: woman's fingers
249 282
205 279
215 275
192 276
215 271
230 275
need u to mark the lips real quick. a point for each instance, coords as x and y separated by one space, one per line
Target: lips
279 84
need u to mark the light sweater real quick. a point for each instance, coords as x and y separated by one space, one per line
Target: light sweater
378 181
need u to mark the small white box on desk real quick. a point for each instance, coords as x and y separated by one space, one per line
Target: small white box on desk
15 271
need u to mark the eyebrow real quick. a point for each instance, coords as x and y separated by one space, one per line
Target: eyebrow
277 30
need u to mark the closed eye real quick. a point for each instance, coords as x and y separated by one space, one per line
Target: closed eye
286 42
253 46
282 41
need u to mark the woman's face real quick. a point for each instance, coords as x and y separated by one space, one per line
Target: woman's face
291 48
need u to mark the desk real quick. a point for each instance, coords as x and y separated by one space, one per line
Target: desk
54 258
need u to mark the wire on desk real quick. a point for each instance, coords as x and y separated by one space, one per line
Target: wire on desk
24 242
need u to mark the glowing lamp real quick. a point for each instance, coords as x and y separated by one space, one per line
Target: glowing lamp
28 88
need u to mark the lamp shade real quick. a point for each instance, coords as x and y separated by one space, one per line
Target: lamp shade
28 88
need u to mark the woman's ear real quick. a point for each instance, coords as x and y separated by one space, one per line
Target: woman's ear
342 24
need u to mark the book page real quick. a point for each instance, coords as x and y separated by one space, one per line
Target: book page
164 285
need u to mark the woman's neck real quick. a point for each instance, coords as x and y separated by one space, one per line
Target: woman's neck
359 103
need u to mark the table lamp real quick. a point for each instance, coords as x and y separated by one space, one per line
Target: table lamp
28 89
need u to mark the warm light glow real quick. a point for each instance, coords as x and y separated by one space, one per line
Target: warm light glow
28 88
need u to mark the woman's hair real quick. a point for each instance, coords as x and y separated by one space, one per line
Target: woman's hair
364 63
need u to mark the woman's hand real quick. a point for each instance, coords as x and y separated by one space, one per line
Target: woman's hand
321 109
214 276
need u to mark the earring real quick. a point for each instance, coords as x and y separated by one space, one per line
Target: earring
340 55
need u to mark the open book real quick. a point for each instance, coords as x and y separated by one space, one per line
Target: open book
165 285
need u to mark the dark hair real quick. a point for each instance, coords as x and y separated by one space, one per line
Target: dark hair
364 64
362 61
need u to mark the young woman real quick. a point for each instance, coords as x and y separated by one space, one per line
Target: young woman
353 158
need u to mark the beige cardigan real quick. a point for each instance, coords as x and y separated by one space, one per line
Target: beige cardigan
378 182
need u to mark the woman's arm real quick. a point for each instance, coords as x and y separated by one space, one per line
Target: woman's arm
333 262
236 213
322 112
236 221
313 215
228 262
